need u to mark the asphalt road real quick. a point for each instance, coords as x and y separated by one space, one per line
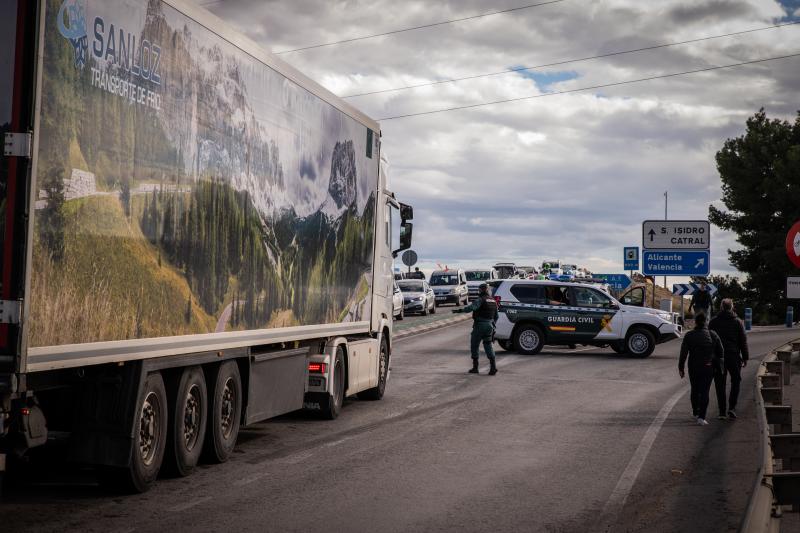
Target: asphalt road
581 440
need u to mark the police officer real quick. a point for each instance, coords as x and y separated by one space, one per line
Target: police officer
484 316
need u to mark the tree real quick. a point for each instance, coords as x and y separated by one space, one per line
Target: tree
760 173
125 195
51 221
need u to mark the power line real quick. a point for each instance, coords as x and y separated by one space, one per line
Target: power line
442 23
567 61
602 86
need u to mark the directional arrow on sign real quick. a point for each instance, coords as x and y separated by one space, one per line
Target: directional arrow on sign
700 262
652 234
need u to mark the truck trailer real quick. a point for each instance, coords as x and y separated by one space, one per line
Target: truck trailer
194 237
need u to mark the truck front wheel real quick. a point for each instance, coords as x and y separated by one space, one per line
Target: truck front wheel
640 342
376 393
225 413
189 412
331 406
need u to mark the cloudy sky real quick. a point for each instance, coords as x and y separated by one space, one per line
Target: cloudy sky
567 176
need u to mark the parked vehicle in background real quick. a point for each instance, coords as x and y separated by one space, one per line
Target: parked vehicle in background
418 296
450 286
165 277
477 276
505 270
538 313
397 303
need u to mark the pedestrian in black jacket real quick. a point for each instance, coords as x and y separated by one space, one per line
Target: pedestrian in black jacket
701 301
705 352
734 340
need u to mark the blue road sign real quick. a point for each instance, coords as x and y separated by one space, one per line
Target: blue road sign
630 258
618 282
676 262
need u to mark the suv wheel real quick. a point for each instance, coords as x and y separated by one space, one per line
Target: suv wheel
529 339
640 342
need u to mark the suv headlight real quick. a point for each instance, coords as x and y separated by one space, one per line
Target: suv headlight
451 291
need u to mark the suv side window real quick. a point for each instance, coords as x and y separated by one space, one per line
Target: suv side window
529 294
556 295
586 297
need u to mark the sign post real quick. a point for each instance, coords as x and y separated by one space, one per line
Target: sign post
630 258
676 247
409 259
618 282
793 244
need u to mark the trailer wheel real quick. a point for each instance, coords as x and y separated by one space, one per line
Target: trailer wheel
332 403
149 440
224 413
188 414
376 393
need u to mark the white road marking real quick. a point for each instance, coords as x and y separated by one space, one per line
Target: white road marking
621 492
189 505
251 479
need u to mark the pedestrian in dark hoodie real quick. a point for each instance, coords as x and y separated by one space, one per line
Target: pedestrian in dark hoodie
734 339
705 352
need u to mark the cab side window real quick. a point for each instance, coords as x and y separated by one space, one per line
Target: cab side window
529 294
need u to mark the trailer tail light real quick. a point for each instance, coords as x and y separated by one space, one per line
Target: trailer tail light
316 368
25 411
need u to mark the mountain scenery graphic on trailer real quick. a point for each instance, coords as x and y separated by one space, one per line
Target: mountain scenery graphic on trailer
217 195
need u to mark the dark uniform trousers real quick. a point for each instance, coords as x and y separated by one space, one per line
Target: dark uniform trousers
482 331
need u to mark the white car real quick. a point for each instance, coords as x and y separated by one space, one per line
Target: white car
538 313
398 313
418 296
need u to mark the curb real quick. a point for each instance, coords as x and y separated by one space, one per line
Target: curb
759 517
430 327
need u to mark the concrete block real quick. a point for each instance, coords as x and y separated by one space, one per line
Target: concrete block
786 486
772 395
779 416
771 380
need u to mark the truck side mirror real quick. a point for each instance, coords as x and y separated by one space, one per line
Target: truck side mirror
405 238
406 212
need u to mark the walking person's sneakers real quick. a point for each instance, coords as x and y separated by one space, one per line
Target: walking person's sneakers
701 421
732 415
722 416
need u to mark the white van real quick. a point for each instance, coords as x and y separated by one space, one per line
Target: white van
450 286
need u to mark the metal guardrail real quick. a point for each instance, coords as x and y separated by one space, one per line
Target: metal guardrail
772 489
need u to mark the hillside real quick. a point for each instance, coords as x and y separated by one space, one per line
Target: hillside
109 270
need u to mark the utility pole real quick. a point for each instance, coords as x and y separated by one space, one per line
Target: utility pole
666 203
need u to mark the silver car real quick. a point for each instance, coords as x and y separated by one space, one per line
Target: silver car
418 296
398 313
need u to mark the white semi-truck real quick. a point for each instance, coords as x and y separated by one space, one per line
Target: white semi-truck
193 237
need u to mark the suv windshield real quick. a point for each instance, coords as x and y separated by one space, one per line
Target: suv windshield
478 275
444 279
410 286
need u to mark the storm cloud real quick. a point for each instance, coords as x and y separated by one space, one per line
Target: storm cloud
567 176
